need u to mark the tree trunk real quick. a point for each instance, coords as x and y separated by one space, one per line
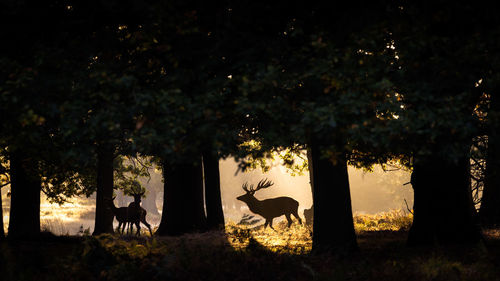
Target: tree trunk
310 167
213 201
103 214
333 228
490 202
443 208
183 210
2 232
309 213
25 198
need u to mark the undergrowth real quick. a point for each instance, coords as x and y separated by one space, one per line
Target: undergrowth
245 252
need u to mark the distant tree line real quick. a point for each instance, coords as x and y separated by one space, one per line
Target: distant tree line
186 83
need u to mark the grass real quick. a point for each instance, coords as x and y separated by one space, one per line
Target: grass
249 253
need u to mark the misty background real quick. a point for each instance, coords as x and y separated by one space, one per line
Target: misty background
371 192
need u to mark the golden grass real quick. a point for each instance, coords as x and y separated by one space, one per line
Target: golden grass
252 253
298 238
394 220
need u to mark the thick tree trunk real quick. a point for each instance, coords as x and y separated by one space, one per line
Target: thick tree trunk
183 210
103 214
213 201
443 208
490 202
333 228
24 220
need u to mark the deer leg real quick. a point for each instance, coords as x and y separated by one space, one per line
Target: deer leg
130 228
147 225
138 225
124 224
266 223
289 219
271 224
296 215
119 226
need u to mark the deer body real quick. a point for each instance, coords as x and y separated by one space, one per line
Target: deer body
120 214
270 208
137 214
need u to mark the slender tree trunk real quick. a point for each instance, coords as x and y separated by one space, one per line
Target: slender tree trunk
103 214
333 228
24 220
309 213
2 232
183 210
213 201
490 202
443 208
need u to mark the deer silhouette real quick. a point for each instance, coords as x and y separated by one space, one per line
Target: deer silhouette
309 215
136 214
269 208
119 213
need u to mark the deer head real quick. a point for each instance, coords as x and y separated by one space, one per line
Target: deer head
250 191
137 196
110 202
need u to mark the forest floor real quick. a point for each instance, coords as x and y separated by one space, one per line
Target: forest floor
249 253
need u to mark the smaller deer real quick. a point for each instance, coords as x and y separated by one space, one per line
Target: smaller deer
269 208
119 213
309 215
136 214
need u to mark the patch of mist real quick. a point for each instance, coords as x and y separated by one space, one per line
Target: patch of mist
371 192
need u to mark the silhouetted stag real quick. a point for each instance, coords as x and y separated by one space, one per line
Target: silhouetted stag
136 214
269 208
119 213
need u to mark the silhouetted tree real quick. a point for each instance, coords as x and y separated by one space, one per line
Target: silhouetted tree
183 210
440 62
321 86
490 202
213 201
24 218
104 217
333 228
4 181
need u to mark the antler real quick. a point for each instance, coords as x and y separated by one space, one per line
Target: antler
265 183
246 189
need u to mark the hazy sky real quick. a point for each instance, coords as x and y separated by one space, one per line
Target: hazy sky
374 192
